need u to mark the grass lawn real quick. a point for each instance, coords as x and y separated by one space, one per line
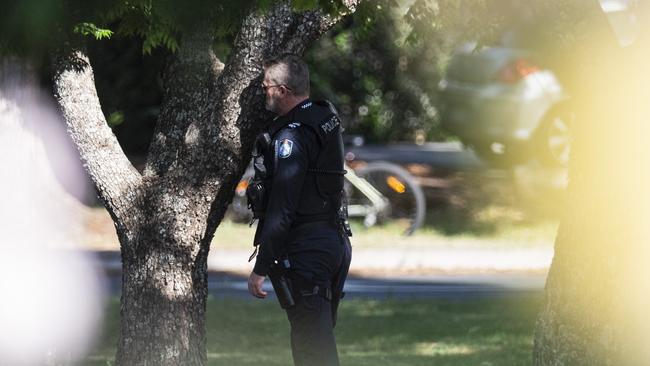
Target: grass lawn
487 332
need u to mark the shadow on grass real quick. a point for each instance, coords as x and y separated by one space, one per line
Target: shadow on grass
476 332
370 332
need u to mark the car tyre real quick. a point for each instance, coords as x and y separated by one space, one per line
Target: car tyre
553 137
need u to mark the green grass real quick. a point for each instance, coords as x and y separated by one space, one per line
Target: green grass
485 332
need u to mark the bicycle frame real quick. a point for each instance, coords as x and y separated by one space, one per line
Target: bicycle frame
377 200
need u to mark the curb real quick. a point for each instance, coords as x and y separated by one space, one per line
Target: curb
414 261
386 262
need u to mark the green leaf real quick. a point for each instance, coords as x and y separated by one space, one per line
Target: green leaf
90 29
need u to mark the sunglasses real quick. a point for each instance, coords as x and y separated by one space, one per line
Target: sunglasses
267 87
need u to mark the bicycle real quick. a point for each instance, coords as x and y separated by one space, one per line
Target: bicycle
377 193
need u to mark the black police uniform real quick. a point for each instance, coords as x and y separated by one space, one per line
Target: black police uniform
302 172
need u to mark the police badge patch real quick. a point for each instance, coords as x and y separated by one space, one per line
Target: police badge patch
285 148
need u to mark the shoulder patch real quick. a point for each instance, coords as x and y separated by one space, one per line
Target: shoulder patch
285 148
330 124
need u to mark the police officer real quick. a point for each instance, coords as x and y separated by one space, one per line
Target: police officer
301 235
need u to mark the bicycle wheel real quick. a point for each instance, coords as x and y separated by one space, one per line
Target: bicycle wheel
406 205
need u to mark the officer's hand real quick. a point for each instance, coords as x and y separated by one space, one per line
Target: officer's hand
255 282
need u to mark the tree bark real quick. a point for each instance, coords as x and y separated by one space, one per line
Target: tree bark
597 291
166 217
118 183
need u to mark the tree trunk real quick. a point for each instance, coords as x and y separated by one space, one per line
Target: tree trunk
164 281
166 217
164 288
598 288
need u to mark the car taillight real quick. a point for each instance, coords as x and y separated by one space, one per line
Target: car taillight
515 71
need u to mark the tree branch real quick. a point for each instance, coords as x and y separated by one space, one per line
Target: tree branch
311 25
116 180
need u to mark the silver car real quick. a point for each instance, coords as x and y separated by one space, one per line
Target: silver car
507 108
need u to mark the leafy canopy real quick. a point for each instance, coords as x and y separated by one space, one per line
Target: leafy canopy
34 26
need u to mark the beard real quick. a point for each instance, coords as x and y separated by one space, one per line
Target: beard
271 104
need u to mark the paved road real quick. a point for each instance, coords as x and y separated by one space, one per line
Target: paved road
449 287
224 284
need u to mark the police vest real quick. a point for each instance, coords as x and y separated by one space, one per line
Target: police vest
322 190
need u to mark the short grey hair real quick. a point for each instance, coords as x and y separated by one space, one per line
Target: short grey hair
289 70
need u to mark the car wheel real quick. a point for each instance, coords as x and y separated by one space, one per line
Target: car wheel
554 136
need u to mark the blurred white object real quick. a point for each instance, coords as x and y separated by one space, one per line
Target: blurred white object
622 19
52 297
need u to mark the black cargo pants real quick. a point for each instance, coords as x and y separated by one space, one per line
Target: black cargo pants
319 256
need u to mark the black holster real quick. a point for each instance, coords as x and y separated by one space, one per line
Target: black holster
282 284
256 196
